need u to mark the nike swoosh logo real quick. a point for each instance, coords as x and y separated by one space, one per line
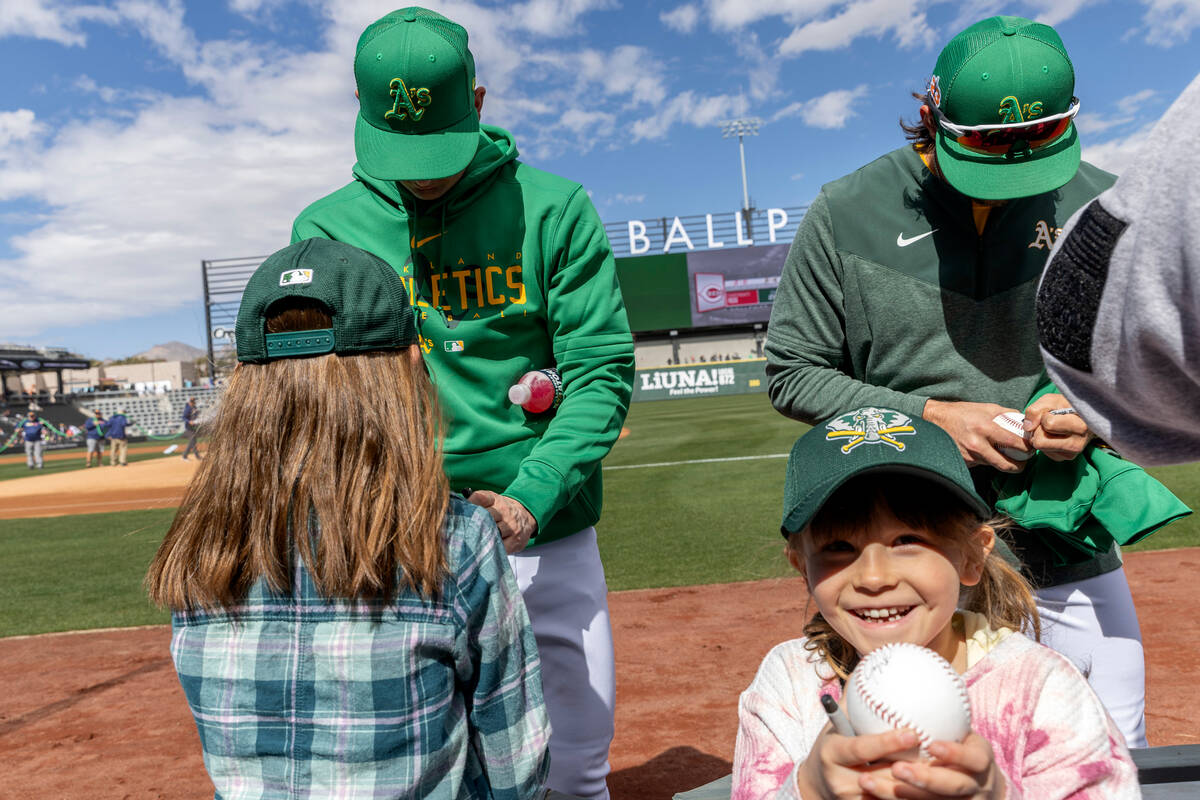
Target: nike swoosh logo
903 242
415 244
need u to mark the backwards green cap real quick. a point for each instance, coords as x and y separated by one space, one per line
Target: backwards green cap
1005 70
416 93
870 440
362 293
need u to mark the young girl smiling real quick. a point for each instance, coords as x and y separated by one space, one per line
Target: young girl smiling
883 522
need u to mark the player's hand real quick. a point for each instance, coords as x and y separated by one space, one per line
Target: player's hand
516 524
961 770
1062 437
971 427
836 765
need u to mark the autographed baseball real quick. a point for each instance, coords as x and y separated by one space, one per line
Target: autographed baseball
1011 421
908 686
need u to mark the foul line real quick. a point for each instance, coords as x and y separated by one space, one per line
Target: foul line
698 461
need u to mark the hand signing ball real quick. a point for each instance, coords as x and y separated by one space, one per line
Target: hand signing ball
1012 421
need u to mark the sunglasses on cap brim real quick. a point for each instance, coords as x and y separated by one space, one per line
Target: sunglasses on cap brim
999 139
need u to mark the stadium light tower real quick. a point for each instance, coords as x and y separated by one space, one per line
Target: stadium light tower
742 127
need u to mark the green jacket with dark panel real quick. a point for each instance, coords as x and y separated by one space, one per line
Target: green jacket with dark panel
890 296
510 271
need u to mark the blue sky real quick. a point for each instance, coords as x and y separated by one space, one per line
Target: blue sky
138 137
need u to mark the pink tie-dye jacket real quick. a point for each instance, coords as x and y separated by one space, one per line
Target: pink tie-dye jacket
1050 735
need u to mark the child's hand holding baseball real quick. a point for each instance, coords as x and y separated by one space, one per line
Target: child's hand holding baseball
837 765
960 769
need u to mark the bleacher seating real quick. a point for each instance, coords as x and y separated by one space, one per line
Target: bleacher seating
152 414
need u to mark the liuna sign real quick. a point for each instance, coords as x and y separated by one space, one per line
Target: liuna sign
697 380
678 237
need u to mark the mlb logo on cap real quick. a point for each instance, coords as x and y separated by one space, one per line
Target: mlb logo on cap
293 276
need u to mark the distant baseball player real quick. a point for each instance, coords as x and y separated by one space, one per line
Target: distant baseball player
343 626
911 283
93 432
32 430
510 271
882 519
191 427
118 440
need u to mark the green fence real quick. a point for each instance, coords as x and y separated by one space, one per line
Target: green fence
699 380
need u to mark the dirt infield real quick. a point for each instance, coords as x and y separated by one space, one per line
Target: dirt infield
100 714
157 483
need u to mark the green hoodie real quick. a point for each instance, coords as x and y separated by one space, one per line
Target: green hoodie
509 271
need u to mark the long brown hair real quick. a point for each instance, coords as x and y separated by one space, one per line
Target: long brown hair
1002 595
336 458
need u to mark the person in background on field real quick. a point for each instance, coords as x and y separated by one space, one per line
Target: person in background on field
911 285
510 271
883 522
118 441
191 427
343 626
93 431
32 430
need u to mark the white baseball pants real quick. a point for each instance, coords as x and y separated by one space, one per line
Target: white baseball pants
1094 624
567 598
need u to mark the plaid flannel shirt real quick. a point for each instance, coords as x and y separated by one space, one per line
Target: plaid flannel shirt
295 696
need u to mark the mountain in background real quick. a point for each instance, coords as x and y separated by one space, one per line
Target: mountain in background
171 351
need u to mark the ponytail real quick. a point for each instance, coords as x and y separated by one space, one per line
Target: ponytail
1003 596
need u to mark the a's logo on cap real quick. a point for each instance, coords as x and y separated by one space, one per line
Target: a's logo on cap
935 90
870 426
294 276
409 102
1011 110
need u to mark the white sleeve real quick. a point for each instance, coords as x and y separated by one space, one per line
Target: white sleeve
779 717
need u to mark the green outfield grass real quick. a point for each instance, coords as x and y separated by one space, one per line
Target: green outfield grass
677 525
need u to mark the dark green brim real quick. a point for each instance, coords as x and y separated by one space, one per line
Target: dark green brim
798 517
999 178
393 156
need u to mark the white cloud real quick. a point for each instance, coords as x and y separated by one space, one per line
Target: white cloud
628 199
688 108
682 19
1170 22
1055 12
902 18
555 17
17 126
51 20
1127 109
732 15
1115 155
578 120
830 111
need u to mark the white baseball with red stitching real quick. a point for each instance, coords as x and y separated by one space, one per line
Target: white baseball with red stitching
1013 422
905 685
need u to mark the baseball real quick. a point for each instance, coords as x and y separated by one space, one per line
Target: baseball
908 686
1011 421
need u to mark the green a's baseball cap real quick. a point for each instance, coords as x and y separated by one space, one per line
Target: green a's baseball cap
362 293
1014 72
416 97
868 440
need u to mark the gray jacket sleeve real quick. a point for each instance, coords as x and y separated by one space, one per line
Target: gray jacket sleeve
807 371
1118 307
